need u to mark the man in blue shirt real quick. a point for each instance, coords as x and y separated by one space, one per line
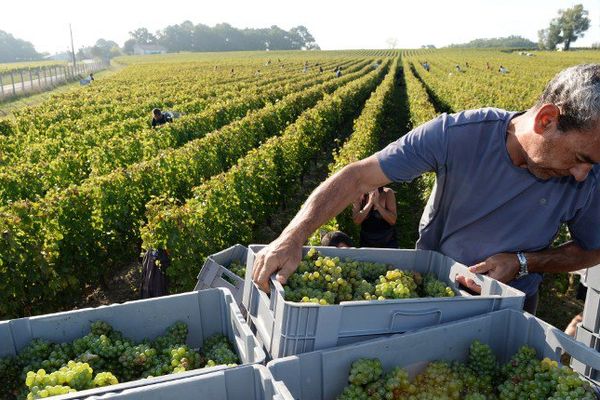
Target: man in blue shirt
505 182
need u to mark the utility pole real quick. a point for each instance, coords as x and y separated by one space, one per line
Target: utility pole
73 49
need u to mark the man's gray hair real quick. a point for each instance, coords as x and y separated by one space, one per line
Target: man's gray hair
576 90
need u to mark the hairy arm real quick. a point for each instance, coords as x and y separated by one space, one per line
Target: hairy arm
328 200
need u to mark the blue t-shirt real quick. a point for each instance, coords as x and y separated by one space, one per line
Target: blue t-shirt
482 203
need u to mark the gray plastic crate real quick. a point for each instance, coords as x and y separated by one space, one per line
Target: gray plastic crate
286 328
253 382
206 313
322 375
591 311
214 271
592 340
592 278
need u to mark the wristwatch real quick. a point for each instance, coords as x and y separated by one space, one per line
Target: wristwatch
522 265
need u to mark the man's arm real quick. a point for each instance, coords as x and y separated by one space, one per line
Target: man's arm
567 257
327 201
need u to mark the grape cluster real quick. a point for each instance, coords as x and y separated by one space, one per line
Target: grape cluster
218 350
525 375
237 268
364 371
329 280
480 378
44 369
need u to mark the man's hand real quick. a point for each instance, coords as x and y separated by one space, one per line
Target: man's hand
502 267
282 256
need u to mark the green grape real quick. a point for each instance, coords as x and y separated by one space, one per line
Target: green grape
215 340
184 359
237 268
524 377
48 391
365 370
482 360
176 335
397 384
104 379
98 328
353 392
432 287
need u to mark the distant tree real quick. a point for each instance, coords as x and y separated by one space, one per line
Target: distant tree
142 36
550 37
428 46
392 42
302 37
128 46
569 26
104 49
13 49
501 42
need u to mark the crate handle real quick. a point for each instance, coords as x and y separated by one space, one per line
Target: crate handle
236 319
479 279
428 317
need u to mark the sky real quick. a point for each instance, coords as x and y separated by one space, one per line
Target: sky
335 24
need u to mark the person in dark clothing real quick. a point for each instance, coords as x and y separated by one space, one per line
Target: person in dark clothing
160 118
336 239
375 212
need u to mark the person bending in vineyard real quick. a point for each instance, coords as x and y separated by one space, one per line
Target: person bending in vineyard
375 212
160 118
506 181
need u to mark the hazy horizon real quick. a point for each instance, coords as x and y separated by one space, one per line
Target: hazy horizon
335 25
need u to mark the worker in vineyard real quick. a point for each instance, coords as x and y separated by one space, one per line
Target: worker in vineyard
336 239
375 212
505 182
160 118
426 66
502 70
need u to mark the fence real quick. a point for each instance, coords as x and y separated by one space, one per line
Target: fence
20 82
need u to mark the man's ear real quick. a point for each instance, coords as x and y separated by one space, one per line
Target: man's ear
545 117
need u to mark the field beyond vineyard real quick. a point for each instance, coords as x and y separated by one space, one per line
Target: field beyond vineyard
86 183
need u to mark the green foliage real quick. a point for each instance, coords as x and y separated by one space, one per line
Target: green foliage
224 210
55 241
570 25
509 42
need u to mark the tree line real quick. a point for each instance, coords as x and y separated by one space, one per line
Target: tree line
13 49
222 37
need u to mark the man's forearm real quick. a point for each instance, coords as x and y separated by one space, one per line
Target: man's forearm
566 258
327 201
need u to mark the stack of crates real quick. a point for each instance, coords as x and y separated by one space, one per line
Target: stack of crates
588 332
